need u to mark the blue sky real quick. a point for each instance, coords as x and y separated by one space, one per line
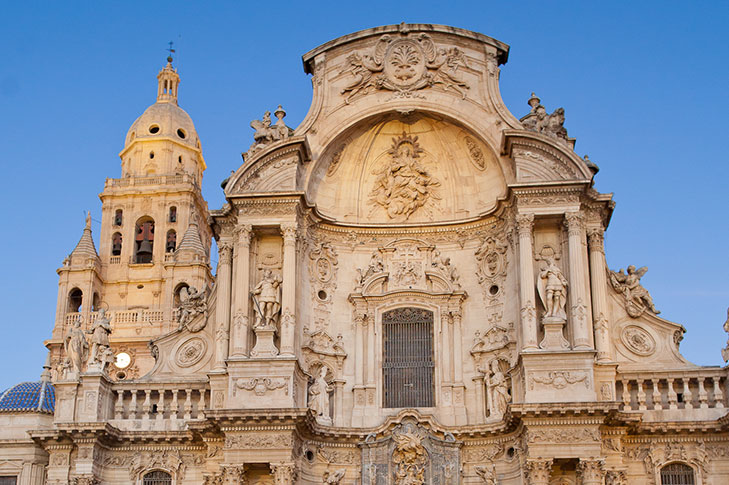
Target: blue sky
643 84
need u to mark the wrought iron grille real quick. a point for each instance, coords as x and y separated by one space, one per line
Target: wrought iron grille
407 367
157 478
8 480
677 474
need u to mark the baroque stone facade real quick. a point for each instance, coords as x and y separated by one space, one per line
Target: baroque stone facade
411 289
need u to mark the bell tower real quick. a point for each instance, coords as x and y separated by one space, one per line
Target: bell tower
154 239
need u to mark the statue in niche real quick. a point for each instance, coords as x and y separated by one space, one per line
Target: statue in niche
268 303
637 298
498 391
100 331
192 303
552 286
76 348
319 397
404 185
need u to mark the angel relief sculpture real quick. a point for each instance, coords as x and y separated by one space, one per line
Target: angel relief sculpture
192 303
637 298
404 185
409 456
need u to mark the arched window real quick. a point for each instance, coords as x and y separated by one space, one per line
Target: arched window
157 477
171 241
173 214
144 241
75 297
407 358
118 217
116 244
677 474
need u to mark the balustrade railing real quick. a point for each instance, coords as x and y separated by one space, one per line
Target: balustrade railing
121 317
691 389
160 405
151 180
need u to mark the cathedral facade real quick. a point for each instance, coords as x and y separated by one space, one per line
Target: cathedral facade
411 288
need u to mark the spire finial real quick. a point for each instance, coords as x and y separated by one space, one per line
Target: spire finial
88 219
168 80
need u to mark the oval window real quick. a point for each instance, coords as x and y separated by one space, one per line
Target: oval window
154 129
181 133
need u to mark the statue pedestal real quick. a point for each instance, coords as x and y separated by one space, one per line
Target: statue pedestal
264 347
553 336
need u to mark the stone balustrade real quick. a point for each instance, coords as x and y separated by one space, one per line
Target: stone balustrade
124 317
115 260
159 406
702 388
151 180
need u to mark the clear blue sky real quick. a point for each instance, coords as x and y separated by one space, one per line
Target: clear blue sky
644 86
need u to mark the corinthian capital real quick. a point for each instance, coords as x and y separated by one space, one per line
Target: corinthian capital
596 239
244 233
524 224
289 231
575 222
225 251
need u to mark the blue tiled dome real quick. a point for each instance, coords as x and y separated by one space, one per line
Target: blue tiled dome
37 397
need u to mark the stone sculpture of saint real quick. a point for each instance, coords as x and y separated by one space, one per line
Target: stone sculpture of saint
319 398
100 337
76 347
267 299
498 391
552 287
192 304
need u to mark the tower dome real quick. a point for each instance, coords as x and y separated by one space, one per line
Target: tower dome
165 119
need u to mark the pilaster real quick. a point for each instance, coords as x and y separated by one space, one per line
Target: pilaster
288 297
598 285
579 299
525 224
239 338
222 313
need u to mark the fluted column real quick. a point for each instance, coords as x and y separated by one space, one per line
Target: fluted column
359 353
598 285
525 222
457 349
222 311
538 472
288 298
578 291
370 351
241 295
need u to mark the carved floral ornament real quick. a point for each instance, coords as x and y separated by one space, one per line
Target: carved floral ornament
405 65
638 340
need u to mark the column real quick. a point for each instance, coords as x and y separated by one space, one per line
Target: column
598 286
578 291
241 295
283 473
445 329
525 222
359 355
288 297
457 348
538 472
222 311
591 471
370 352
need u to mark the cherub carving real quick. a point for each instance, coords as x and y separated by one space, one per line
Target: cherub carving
192 303
637 298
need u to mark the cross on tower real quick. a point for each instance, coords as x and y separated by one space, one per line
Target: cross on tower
171 51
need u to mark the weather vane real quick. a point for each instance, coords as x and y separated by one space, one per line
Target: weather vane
171 51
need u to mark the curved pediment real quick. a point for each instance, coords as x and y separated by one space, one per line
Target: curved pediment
406 169
272 169
540 158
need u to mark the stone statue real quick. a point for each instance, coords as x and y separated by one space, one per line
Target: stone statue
333 478
637 298
552 287
268 303
100 331
76 348
443 263
319 398
192 303
409 455
498 391
486 474
538 120
266 133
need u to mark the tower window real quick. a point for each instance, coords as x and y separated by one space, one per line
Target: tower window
151 155
677 474
179 159
181 133
75 298
154 129
144 241
118 217
171 241
157 477
407 360
173 214
116 244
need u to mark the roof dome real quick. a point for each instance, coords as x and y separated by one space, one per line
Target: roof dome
39 397
164 119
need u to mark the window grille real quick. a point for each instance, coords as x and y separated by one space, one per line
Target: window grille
157 478
8 480
407 366
677 474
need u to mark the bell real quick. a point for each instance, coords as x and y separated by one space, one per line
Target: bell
144 253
